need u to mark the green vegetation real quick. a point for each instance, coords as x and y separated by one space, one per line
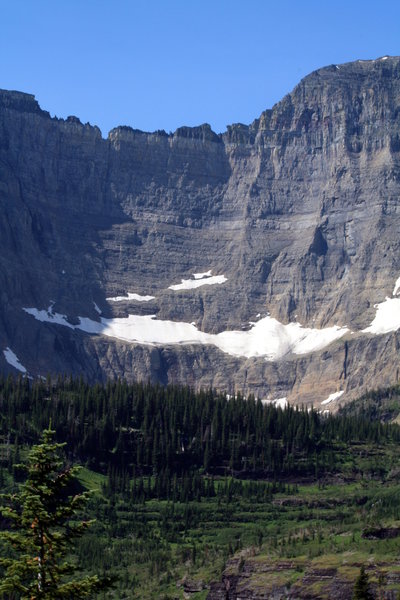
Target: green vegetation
43 517
361 586
186 484
143 430
377 405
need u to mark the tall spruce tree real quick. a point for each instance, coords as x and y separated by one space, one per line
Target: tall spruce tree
361 587
44 524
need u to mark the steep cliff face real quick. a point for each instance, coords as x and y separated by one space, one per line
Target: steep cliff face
293 219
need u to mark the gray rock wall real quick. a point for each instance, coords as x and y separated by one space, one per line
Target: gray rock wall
299 211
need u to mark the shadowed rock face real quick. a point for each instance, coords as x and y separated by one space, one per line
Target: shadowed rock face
299 211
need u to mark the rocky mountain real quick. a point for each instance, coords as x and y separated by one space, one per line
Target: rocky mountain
265 259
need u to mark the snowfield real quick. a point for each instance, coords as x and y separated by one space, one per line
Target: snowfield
48 316
268 338
131 296
199 280
396 288
202 275
13 360
278 402
387 317
333 397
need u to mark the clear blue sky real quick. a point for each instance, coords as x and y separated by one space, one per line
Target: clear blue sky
160 64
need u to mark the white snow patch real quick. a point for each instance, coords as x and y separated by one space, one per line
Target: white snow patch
333 397
96 308
268 338
131 296
396 288
202 275
48 316
13 360
190 284
271 339
278 402
387 317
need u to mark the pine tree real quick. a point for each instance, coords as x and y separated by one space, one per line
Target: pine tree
361 587
44 524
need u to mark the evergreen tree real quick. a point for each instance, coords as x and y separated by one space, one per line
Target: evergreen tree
44 524
361 587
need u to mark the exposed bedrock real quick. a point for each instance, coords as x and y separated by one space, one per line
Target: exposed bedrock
299 211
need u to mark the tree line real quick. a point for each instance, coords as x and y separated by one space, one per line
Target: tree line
168 435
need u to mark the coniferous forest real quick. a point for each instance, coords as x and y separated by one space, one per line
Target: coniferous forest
169 432
183 481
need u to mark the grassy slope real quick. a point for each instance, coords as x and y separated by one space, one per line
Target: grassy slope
282 542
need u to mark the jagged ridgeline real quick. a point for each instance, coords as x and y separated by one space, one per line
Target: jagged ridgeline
265 259
174 433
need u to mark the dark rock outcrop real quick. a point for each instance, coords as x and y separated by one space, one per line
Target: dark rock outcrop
270 579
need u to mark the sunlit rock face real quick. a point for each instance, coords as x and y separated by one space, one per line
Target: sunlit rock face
265 259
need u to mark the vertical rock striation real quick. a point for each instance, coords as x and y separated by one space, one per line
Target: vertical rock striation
299 211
